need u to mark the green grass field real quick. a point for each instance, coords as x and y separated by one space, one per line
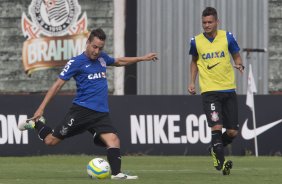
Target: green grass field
150 169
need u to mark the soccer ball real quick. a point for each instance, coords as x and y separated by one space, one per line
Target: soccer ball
98 168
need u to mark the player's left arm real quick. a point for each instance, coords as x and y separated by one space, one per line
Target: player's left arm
124 61
238 62
234 49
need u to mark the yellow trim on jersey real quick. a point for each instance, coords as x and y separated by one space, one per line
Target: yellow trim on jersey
214 65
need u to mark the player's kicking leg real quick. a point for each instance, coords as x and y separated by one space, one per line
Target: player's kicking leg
40 126
29 124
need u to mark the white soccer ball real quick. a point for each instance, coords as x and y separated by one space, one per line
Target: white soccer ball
98 168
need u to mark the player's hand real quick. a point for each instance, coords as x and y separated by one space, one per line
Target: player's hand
150 57
37 115
239 67
191 89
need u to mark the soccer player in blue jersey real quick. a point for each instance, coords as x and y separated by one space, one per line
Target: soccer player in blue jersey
90 111
211 54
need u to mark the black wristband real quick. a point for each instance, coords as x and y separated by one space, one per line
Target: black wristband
243 67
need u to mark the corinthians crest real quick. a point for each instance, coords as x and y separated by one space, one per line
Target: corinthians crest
54 34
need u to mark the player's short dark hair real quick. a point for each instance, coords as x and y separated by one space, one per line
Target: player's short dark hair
210 11
99 33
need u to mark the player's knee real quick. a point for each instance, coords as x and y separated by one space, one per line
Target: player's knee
232 133
51 140
113 141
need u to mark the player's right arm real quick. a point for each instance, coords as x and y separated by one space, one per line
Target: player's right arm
58 84
193 75
68 72
193 67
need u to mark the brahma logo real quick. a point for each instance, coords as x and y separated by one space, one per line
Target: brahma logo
54 33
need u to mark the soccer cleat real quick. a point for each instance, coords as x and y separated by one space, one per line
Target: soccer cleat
216 162
227 166
123 177
29 124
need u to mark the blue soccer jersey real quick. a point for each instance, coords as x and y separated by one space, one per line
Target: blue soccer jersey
91 80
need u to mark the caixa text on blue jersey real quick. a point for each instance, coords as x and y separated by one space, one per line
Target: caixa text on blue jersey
97 75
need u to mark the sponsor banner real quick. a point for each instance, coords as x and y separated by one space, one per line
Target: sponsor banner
54 34
151 125
49 52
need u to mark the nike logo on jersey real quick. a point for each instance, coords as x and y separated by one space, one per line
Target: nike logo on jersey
251 133
87 66
210 67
